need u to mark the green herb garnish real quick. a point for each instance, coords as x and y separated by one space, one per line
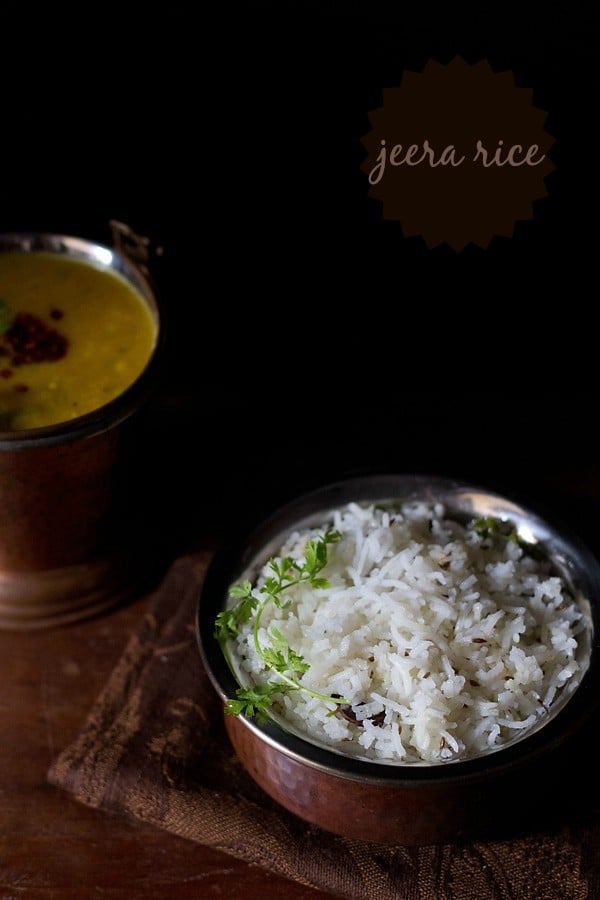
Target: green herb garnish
488 526
278 656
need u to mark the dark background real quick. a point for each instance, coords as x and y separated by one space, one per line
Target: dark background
308 340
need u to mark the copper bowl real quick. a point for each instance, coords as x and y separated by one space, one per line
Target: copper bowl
64 550
394 803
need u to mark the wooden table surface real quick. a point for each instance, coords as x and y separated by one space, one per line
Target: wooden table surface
51 846
54 847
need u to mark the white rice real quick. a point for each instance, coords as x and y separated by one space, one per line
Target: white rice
446 644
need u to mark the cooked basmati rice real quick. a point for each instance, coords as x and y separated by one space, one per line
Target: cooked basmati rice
447 643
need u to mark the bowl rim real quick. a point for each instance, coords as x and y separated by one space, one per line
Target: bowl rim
111 414
236 554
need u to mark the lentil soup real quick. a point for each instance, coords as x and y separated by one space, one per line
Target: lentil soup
73 337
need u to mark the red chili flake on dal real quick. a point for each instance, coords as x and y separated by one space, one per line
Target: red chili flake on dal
32 341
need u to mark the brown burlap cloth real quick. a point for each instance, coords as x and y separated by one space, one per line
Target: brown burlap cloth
154 748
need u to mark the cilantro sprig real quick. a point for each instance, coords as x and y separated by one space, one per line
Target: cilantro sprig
286 665
488 526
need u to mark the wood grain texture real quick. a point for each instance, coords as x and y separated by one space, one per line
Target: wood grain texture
52 847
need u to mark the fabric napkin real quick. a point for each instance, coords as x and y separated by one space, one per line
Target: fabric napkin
154 748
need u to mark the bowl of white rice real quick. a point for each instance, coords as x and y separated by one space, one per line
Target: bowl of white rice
392 650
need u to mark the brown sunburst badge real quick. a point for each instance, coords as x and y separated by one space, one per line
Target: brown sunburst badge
457 154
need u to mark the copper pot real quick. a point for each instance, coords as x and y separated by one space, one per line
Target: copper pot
62 553
395 803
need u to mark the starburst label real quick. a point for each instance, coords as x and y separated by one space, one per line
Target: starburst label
457 154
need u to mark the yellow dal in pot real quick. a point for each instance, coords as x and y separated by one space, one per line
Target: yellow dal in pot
109 330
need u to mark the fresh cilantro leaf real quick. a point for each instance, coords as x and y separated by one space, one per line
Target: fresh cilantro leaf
277 655
488 526
274 659
316 558
251 700
271 586
319 583
284 658
228 621
241 590
254 701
